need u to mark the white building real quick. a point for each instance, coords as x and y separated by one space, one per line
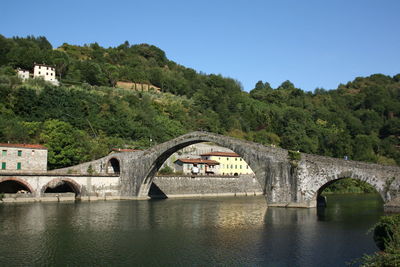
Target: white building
48 73
23 74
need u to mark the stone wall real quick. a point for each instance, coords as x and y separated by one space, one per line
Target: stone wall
31 159
195 186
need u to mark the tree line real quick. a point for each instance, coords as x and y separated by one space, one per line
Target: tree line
86 116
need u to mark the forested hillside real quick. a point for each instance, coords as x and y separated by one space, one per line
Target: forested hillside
86 116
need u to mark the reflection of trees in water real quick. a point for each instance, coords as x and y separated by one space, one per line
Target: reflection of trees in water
225 213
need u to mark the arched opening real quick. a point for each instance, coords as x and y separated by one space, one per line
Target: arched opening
14 186
61 186
200 168
113 166
344 187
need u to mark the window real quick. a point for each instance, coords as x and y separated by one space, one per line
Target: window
235 166
47 73
33 152
40 67
18 165
19 153
39 72
231 166
247 166
235 159
240 159
227 158
4 153
3 165
240 166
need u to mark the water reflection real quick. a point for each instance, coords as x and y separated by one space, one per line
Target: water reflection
201 232
232 213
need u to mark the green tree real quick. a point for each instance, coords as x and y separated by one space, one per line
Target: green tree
66 145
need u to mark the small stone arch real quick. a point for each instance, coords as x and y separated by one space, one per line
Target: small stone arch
76 188
113 166
24 184
331 180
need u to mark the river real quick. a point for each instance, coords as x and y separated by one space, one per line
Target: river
238 231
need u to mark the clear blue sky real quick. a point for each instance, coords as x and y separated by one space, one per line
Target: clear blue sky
312 43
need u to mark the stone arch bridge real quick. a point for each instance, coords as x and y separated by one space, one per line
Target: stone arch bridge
287 178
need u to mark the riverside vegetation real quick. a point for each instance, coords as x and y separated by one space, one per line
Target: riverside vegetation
387 238
86 116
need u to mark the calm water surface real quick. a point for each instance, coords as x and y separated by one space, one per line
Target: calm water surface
201 232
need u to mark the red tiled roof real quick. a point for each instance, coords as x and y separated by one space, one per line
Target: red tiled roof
221 154
125 149
199 161
33 146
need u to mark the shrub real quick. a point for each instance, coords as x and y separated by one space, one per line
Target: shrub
166 170
387 238
90 170
385 229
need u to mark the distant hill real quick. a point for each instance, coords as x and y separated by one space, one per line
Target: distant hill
87 115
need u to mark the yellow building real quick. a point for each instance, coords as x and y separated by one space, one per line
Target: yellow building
230 163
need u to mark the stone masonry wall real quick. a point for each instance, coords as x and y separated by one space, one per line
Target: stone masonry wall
188 186
32 160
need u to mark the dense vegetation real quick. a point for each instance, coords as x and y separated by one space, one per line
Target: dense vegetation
349 185
387 238
86 116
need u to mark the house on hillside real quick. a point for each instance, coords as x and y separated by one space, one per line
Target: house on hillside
230 163
205 166
45 72
48 73
23 74
23 158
